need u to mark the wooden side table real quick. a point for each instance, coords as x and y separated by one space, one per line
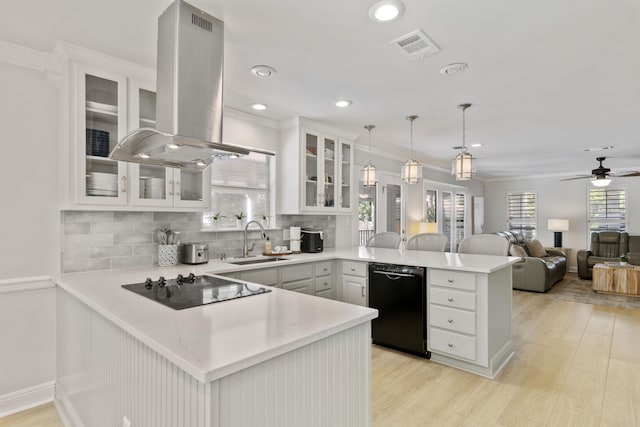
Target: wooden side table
616 278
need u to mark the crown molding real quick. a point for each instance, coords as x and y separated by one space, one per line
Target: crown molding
48 63
243 115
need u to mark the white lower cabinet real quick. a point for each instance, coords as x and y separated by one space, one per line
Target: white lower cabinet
354 282
469 319
309 278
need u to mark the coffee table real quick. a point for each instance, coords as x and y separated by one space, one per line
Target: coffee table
616 278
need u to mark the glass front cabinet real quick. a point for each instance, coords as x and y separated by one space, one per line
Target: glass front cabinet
326 172
107 106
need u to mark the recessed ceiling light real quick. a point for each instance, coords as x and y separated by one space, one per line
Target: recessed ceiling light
143 155
263 71
172 146
477 144
454 68
343 103
259 107
386 10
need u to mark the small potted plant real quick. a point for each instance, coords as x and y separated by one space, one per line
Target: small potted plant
239 218
624 260
264 219
215 219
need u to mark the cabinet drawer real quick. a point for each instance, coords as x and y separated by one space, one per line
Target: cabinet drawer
453 319
453 279
328 293
451 298
266 276
324 268
323 283
354 268
293 273
452 343
303 286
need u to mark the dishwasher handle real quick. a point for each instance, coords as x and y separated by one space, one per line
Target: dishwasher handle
394 276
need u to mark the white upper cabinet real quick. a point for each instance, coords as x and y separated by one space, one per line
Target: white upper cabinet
316 172
105 102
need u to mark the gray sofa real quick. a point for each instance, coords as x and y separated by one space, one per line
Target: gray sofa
537 274
606 246
634 250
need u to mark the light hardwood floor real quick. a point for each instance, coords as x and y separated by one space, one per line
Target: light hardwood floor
575 365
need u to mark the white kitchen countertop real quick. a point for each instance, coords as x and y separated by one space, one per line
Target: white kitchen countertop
215 340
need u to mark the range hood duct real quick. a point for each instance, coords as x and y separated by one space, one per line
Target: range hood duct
188 130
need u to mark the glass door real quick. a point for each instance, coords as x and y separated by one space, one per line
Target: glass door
346 170
390 205
150 185
447 215
330 160
102 104
311 169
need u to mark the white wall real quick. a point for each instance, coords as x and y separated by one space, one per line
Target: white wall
30 222
29 174
557 199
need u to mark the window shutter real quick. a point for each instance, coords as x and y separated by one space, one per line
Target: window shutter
521 213
607 209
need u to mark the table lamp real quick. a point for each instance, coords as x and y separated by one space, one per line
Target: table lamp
558 226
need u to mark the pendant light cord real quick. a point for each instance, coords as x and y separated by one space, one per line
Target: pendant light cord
369 127
464 107
411 119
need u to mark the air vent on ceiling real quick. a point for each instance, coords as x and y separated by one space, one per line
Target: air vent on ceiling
201 22
416 45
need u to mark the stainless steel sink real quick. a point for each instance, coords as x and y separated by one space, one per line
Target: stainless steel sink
245 261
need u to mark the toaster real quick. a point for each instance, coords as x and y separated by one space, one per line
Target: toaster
311 240
195 253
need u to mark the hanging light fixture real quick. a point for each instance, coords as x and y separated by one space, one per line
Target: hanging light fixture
369 171
411 170
463 163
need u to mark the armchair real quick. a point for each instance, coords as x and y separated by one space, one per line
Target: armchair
606 246
536 272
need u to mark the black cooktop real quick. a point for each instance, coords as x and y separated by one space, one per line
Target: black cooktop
192 291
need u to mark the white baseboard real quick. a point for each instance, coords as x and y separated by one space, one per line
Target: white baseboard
26 398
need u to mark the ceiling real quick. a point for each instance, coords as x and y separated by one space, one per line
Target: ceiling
547 79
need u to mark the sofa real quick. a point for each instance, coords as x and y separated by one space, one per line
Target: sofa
540 268
606 246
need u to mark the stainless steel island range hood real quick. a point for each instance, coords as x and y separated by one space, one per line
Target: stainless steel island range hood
188 130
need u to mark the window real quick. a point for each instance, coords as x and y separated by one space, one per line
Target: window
607 209
366 213
521 213
240 186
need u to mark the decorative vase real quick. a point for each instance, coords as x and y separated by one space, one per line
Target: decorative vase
167 255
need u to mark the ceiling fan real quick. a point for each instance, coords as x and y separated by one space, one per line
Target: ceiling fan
601 174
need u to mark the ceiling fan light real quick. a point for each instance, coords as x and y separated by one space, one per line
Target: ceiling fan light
369 175
601 182
463 166
411 172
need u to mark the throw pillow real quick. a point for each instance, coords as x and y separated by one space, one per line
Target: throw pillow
517 250
535 249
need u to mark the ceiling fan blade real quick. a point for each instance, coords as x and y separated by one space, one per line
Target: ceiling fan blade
577 177
624 174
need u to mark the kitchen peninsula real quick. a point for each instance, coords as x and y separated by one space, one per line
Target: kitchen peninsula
279 358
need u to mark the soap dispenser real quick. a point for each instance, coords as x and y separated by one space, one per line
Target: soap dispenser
267 246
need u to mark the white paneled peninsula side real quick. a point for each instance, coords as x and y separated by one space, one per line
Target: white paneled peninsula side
276 359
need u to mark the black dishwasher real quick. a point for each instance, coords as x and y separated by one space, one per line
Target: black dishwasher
399 294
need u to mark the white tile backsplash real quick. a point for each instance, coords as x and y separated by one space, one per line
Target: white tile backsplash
103 240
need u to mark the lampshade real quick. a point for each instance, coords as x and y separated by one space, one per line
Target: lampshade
463 166
601 182
369 171
558 225
369 175
411 171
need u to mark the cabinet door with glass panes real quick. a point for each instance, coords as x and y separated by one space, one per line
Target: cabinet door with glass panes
156 185
320 172
345 176
101 122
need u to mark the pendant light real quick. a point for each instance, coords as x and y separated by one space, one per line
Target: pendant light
411 170
369 171
463 163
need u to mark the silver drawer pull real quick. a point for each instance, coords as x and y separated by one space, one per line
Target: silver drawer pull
449 299
353 269
450 320
450 280
450 345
